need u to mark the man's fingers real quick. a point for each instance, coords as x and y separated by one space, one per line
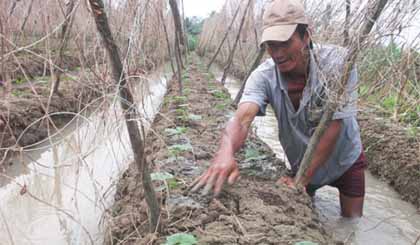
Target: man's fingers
209 184
233 177
199 182
219 184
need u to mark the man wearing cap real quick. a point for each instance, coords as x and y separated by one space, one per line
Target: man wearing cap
296 82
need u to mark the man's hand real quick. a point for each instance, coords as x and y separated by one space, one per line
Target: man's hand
224 166
285 180
213 179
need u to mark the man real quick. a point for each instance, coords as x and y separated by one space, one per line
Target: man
296 81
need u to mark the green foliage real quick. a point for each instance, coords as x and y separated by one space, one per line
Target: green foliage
180 99
194 25
175 131
17 93
161 176
306 243
176 150
173 184
192 42
389 102
18 81
221 106
413 131
182 113
185 76
210 76
169 180
363 89
181 239
186 91
194 117
220 94
252 154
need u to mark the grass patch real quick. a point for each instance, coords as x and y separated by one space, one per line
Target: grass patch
220 94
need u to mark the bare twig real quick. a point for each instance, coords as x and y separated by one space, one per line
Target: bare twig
332 106
127 102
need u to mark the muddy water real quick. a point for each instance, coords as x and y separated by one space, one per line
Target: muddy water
70 178
387 219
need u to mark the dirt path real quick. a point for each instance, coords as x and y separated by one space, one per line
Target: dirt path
181 143
393 154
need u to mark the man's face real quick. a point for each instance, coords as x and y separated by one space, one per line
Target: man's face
289 54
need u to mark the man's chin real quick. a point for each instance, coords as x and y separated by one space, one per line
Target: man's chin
285 67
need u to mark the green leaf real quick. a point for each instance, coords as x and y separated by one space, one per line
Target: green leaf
181 239
175 131
306 243
194 117
161 176
252 154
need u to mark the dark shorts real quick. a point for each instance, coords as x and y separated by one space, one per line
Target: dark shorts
352 182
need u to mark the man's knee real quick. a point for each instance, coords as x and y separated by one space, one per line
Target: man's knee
351 207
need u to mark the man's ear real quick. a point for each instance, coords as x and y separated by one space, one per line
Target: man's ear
308 37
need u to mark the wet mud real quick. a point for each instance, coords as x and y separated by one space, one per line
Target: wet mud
181 143
393 154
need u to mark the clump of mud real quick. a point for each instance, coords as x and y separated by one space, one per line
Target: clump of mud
393 154
183 138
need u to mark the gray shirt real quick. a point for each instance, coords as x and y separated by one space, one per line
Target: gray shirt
266 86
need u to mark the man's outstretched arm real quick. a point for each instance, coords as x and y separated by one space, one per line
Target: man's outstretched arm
224 167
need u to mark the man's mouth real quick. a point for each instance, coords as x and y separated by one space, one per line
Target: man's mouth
281 61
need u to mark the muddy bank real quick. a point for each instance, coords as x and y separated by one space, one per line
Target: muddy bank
181 143
28 66
393 154
22 109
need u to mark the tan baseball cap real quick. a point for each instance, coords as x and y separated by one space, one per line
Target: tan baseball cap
281 19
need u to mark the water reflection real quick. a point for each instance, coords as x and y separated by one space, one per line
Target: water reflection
70 179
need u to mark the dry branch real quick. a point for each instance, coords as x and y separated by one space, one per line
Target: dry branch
65 33
331 106
253 67
224 37
178 39
131 114
232 52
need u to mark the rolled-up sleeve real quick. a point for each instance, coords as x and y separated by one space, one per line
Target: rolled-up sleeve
256 92
348 103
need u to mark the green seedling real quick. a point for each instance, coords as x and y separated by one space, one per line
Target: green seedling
176 150
186 91
221 106
162 176
389 102
180 99
181 239
413 131
210 76
185 76
17 93
252 154
220 94
306 243
194 117
169 181
18 81
175 131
